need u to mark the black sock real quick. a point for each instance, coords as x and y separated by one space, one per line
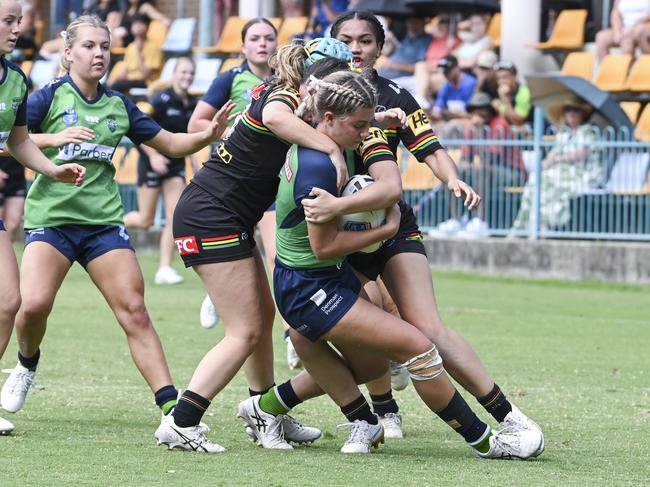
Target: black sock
496 404
190 409
30 362
166 398
461 418
288 395
286 333
252 393
384 403
359 409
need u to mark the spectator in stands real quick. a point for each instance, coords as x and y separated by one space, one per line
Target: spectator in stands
571 167
455 92
292 8
473 33
107 10
630 27
122 35
65 11
514 102
400 65
143 59
486 79
323 13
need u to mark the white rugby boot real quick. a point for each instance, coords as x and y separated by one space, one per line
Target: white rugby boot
363 435
392 423
296 432
268 429
514 443
167 275
399 376
191 438
6 427
208 314
15 388
292 356
517 420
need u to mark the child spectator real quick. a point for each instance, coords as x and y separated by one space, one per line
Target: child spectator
143 59
514 102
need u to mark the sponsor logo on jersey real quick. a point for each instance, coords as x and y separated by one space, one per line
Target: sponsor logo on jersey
418 122
91 119
257 91
3 139
70 116
3 106
16 103
318 297
187 245
86 151
173 112
111 123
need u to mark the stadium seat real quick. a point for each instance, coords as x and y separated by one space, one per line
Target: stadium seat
568 33
612 72
126 165
580 64
290 27
629 173
206 70
230 40
643 125
168 69
117 67
494 29
631 109
26 66
276 21
638 80
39 32
179 36
230 63
157 32
43 72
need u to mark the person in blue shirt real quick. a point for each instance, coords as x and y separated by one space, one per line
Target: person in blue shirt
400 65
455 93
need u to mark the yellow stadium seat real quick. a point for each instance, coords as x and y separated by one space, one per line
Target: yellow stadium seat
612 72
157 32
631 109
126 165
416 176
230 63
276 21
117 67
579 64
639 77
494 29
568 33
643 125
230 40
26 66
290 27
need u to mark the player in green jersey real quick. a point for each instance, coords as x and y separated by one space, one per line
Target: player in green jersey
65 225
13 136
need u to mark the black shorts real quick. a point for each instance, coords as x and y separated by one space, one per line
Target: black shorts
15 185
408 239
206 232
151 179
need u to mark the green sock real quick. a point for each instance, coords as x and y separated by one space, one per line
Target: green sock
168 406
483 444
270 403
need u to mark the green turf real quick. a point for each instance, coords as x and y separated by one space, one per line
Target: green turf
574 356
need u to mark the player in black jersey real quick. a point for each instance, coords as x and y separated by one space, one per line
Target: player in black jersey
172 108
213 229
13 189
401 262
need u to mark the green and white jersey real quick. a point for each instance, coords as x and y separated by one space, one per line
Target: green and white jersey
303 169
111 116
236 85
13 99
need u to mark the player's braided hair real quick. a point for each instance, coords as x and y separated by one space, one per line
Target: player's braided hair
70 34
288 64
341 93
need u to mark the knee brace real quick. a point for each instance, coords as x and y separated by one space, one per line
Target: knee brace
426 366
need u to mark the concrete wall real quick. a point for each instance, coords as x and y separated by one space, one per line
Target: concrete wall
562 259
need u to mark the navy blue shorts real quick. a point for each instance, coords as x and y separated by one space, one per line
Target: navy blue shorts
151 179
81 243
408 239
313 301
2 226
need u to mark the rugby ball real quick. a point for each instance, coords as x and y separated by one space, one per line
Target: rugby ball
363 220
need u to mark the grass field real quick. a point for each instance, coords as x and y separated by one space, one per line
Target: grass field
573 356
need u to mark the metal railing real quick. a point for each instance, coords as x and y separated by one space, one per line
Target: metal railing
541 182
